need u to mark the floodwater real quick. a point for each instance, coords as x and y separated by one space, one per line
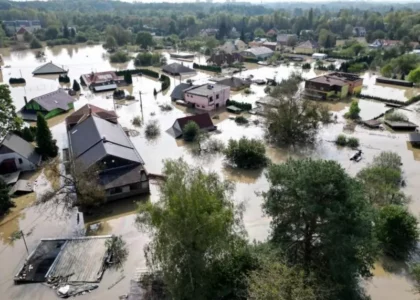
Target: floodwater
119 218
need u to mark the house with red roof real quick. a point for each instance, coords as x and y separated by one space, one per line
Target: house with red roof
20 34
102 81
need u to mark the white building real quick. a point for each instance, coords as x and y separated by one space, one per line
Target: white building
260 53
319 56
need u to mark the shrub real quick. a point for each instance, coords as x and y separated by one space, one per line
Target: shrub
119 57
76 86
306 66
396 230
166 82
118 94
17 80
35 44
152 129
137 121
64 78
248 91
354 111
216 69
246 153
341 140
148 59
241 105
166 107
215 145
5 202
241 120
190 131
396 117
353 142
81 38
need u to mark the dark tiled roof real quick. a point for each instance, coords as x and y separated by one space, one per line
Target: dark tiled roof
58 99
176 68
203 121
48 68
233 82
21 30
21 147
90 110
178 92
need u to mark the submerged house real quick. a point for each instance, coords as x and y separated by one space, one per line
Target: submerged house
90 110
178 91
334 84
102 81
202 120
222 58
49 69
259 53
97 140
20 34
207 96
308 47
235 83
49 105
16 154
176 69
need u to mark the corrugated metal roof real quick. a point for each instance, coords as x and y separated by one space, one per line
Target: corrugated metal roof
21 147
49 68
57 99
257 51
83 258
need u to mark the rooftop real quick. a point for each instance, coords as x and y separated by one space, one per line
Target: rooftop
206 89
259 50
176 68
202 120
336 78
21 147
90 110
57 99
100 77
178 92
49 68
308 45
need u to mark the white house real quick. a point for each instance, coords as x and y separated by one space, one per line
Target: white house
16 154
207 96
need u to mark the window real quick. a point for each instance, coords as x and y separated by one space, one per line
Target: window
217 96
211 99
20 160
116 190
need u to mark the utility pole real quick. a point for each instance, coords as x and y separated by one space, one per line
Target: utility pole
141 107
23 237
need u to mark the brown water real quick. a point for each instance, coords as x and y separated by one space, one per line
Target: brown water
118 218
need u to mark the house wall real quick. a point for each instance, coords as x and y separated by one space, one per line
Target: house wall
20 37
265 56
355 87
58 111
204 103
304 50
248 54
126 191
25 165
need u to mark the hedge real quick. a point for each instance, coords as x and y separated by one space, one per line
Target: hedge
146 72
166 81
250 60
216 69
403 103
17 80
64 78
241 105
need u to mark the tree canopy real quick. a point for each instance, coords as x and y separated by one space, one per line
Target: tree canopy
9 121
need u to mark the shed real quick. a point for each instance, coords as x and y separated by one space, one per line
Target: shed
49 68
372 123
176 69
202 120
404 126
233 109
414 138
49 105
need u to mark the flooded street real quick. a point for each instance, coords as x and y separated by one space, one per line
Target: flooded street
119 217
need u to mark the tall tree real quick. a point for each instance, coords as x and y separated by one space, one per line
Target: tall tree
144 39
322 223
194 227
9 121
5 202
311 18
46 144
76 86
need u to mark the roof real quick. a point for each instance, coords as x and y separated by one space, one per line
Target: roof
21 147
95 138
202 120
49 68
21 30
400 124
308 45
10 178
100 77
283 38
90 110
123 176
336 78
178 92
57 99
176 68
206 89
267 100
105 87
233 82
84 258
259 50
233 108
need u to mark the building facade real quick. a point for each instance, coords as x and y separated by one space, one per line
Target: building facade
207 97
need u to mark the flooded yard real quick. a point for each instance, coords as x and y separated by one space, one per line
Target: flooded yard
119 218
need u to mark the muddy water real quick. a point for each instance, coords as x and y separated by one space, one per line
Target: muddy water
119 218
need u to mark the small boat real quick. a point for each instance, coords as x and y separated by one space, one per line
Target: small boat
182 55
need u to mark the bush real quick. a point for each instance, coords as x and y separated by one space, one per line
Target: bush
137 121
152 129
216 69
306 66
353 142
76 86
81 39
396 230
64 78
354 111
35 44
396 117
246 153
190 131
118 94
5 202
241 120
17 80
341 140
242 105
146 59
119 57
147 72
28 134
215 146
166 107
248 91
166 82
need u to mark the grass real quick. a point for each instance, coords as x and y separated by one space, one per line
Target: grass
396 117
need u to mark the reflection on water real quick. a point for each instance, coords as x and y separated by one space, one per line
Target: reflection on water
119 217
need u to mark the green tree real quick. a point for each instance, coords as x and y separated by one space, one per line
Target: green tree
46 144
51 33
66 32
322 223
311 18
5 202
396 230
414 75
28 135
259 32
144 39
35 44
293 120
190 131
9 121
128 78
246 153
76 86
387 70
27 37
194 227
119 57
110 43
121 36
354 110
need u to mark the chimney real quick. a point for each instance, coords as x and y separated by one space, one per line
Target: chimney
26 100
